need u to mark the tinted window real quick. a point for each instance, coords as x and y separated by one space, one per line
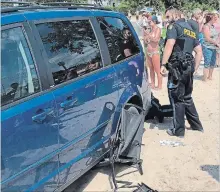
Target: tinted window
71 47
18 74
121 43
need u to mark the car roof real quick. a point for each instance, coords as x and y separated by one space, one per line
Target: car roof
53 13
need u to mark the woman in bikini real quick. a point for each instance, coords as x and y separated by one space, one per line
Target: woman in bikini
151 39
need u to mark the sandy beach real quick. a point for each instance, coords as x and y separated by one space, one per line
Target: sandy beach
192 167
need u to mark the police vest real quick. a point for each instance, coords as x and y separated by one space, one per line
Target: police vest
186 37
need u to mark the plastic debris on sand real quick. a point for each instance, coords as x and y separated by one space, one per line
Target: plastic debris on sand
171 143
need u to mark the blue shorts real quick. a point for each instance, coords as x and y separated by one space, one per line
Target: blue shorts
201 38
209 57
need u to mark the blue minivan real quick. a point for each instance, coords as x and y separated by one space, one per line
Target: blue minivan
66 73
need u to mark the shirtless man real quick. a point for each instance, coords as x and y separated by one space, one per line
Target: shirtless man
151 39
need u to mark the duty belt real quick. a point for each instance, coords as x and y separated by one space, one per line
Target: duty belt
179 64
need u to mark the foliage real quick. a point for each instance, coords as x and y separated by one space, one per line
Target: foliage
64 35
125 6
160 5
47 1
163 34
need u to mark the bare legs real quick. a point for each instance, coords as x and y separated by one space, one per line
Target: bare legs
209 63
154 66
210 73
207 73
152 75
218 59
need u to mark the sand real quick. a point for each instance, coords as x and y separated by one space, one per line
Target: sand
192 167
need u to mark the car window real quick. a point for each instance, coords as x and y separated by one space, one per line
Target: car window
137 29
120 40
71 47
18 73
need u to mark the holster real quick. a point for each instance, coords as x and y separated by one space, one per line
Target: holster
179 64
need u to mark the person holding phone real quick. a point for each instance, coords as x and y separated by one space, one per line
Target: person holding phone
152 38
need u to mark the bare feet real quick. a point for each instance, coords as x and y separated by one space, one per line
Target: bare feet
152 86
158 88
210 78
204 79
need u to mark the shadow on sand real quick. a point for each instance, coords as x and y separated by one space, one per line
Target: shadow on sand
81 184
213 170
154 124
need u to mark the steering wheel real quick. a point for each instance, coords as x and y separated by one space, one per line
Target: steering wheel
118 57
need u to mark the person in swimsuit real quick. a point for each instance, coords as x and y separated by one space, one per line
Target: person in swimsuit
151 39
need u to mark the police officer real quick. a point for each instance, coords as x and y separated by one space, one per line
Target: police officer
181 41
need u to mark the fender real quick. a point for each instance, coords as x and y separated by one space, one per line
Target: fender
128 93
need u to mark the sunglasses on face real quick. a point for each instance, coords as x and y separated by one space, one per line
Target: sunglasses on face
147 28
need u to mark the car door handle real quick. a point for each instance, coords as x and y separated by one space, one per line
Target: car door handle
68 103
41 115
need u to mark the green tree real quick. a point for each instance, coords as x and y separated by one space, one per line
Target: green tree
65 34
47 1
187 5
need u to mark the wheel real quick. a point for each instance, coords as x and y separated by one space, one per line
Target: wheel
134 111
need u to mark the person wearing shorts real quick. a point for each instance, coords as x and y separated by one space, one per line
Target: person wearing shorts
217 27
209 57
209 47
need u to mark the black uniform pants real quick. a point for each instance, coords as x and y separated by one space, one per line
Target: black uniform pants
180 95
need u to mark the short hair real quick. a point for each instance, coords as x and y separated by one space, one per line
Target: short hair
170 8
196 11
175 12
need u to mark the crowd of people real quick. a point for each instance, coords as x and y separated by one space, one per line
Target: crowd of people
206 26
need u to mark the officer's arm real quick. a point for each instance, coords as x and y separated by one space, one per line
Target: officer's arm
168 50
198 56
171 40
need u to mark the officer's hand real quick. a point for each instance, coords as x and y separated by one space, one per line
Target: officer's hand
163 70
